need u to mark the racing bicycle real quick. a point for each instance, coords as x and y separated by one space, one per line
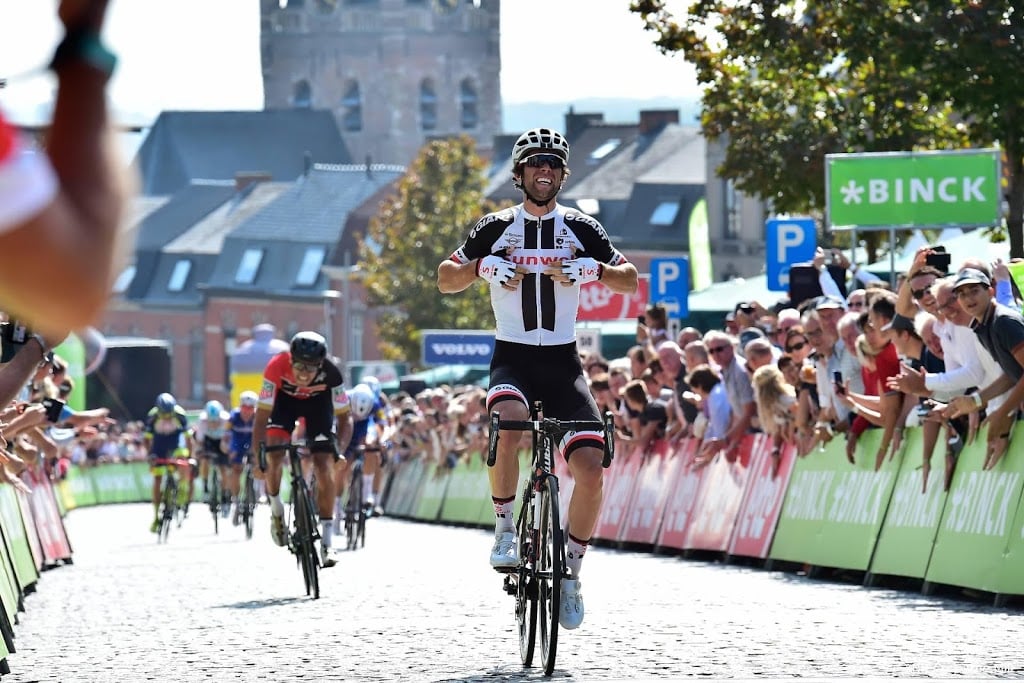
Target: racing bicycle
536 582
305 530
171 508
356 511
247 496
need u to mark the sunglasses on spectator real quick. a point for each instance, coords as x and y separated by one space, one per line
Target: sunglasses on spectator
795 347
718 349
304 367
918 294
855 304
550 160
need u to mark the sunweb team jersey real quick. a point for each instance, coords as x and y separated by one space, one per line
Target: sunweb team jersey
278 378
539 312
27 181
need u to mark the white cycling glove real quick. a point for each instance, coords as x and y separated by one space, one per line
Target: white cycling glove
495 269
582 270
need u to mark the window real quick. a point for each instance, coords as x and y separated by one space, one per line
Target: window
179 275
352 109
428 106
124 280
302 98
665 214
604 150
309 271
469 117
732 212
249 266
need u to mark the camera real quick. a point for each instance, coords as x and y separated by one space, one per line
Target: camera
13 335
53 407
939 259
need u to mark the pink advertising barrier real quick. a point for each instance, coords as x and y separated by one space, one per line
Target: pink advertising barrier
762 505
650 494
682 495
45 517
618 492
718 500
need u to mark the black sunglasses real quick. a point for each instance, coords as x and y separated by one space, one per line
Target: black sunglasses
550 160
717 349
304 367
918 294
795 347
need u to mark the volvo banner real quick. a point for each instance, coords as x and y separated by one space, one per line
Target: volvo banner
457 347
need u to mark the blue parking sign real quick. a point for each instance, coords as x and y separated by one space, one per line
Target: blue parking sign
670 285
788 241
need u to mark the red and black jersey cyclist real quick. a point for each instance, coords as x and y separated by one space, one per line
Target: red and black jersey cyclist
303 383
535 256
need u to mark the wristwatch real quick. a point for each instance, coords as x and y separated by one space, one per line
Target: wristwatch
83 45
976 396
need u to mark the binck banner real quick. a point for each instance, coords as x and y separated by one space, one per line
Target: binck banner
913 189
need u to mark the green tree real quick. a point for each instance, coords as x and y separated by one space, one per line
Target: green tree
437 202
789 82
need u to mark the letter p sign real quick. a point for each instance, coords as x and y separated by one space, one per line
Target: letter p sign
788 241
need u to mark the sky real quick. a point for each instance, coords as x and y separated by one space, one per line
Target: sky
204 54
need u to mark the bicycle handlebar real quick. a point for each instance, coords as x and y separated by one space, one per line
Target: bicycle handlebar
548 424
175 462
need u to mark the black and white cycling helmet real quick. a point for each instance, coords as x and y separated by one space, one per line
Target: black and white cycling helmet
361 398
309 347
539 141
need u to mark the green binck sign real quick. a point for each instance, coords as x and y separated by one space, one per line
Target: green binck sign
913 189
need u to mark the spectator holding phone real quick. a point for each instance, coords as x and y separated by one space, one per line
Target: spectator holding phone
60 212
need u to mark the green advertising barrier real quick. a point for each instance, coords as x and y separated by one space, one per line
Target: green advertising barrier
16 538
833 510
10 593
468 491
77 488
121 483
905 542
432 489
975 532
404 482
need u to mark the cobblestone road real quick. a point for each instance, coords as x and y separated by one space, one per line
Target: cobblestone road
420 604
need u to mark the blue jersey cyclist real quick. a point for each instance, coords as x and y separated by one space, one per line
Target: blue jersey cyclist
240 424
368 428
166 436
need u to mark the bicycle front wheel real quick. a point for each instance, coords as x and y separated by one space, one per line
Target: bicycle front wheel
549 568
304 545
248 503
169 505
213 490
354 520
526 583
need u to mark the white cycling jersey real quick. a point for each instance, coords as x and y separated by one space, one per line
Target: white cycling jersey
540 311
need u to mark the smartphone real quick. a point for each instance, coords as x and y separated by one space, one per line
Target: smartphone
837 378
939 260
53 407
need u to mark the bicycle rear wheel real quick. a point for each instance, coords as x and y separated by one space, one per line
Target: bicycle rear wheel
549 568
304 546
526 586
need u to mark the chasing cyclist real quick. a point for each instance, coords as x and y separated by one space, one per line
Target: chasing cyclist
240 424
211 433
535 256
302 382
364 444
166 436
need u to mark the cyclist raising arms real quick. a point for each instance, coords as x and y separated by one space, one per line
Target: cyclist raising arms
166 435
302 382
535 256
240 421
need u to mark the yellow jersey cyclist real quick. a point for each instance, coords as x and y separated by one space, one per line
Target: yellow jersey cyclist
166 436
303 382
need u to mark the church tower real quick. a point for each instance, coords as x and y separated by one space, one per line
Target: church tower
396 73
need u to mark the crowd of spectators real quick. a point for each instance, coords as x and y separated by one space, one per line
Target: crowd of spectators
938 351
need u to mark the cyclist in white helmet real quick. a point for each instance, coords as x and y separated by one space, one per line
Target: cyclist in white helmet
536 256
367 429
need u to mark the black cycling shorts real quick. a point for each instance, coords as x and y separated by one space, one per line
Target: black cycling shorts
318 414
550 374
211 449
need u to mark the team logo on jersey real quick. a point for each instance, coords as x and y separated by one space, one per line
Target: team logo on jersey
514 240
267 390
166 425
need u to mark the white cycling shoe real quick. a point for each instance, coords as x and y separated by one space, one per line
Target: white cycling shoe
278 532
570 611
504 553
